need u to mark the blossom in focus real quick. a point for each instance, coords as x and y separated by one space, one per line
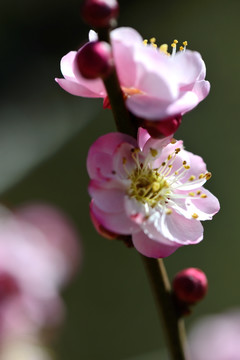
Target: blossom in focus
216 337
151 189
156 86
36 245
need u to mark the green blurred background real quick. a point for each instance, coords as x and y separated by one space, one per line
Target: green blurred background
45 134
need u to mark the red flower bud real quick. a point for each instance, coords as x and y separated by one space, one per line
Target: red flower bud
100 13
162 128
94 60
190 285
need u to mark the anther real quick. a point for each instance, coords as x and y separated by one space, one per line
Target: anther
181 48
191 194
124 160
169 211
145 42
175 41
152 40
155 186
198 192
177 150
201 176
184 162
173 141
164 48
203 196
195 216
192 177
187 167
154 152
208 175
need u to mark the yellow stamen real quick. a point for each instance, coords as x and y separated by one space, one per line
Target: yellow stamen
145 42
208 175
164 48
185 43
187 167
154 152
181 48
152 40
195 216
175 41
198 192
173 45
191 194
155 186
173 141
192 177
203 196
169 211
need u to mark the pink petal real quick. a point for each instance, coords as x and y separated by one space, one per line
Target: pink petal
188 67
123 162
74 88
99 165
87 88
205 208
118 223
125 64
209 205
154 74
66 65
126 35
99 160
108 200
151 247
183 231
142 137
201 89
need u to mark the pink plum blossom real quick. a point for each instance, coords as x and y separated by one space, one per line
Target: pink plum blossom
36 255
151 189
216 337
156 86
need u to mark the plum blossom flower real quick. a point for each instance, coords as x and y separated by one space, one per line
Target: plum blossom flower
36 245
216 337
156 86
151 189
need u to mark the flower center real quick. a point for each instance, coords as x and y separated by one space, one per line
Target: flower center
148 186
157 187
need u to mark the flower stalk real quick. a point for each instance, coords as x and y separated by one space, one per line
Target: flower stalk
173 326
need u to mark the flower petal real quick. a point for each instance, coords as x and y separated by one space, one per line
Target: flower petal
201 89
107 199
151 247
118 223
188 67
182 230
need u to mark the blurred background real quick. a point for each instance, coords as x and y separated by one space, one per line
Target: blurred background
45 134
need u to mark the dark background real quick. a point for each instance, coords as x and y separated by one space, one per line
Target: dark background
45 134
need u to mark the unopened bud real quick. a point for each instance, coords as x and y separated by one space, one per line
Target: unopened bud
190 285
162 128
94 60
100 13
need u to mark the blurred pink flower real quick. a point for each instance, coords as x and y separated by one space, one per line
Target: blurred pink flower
34 262
150 189
216 337
156 86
